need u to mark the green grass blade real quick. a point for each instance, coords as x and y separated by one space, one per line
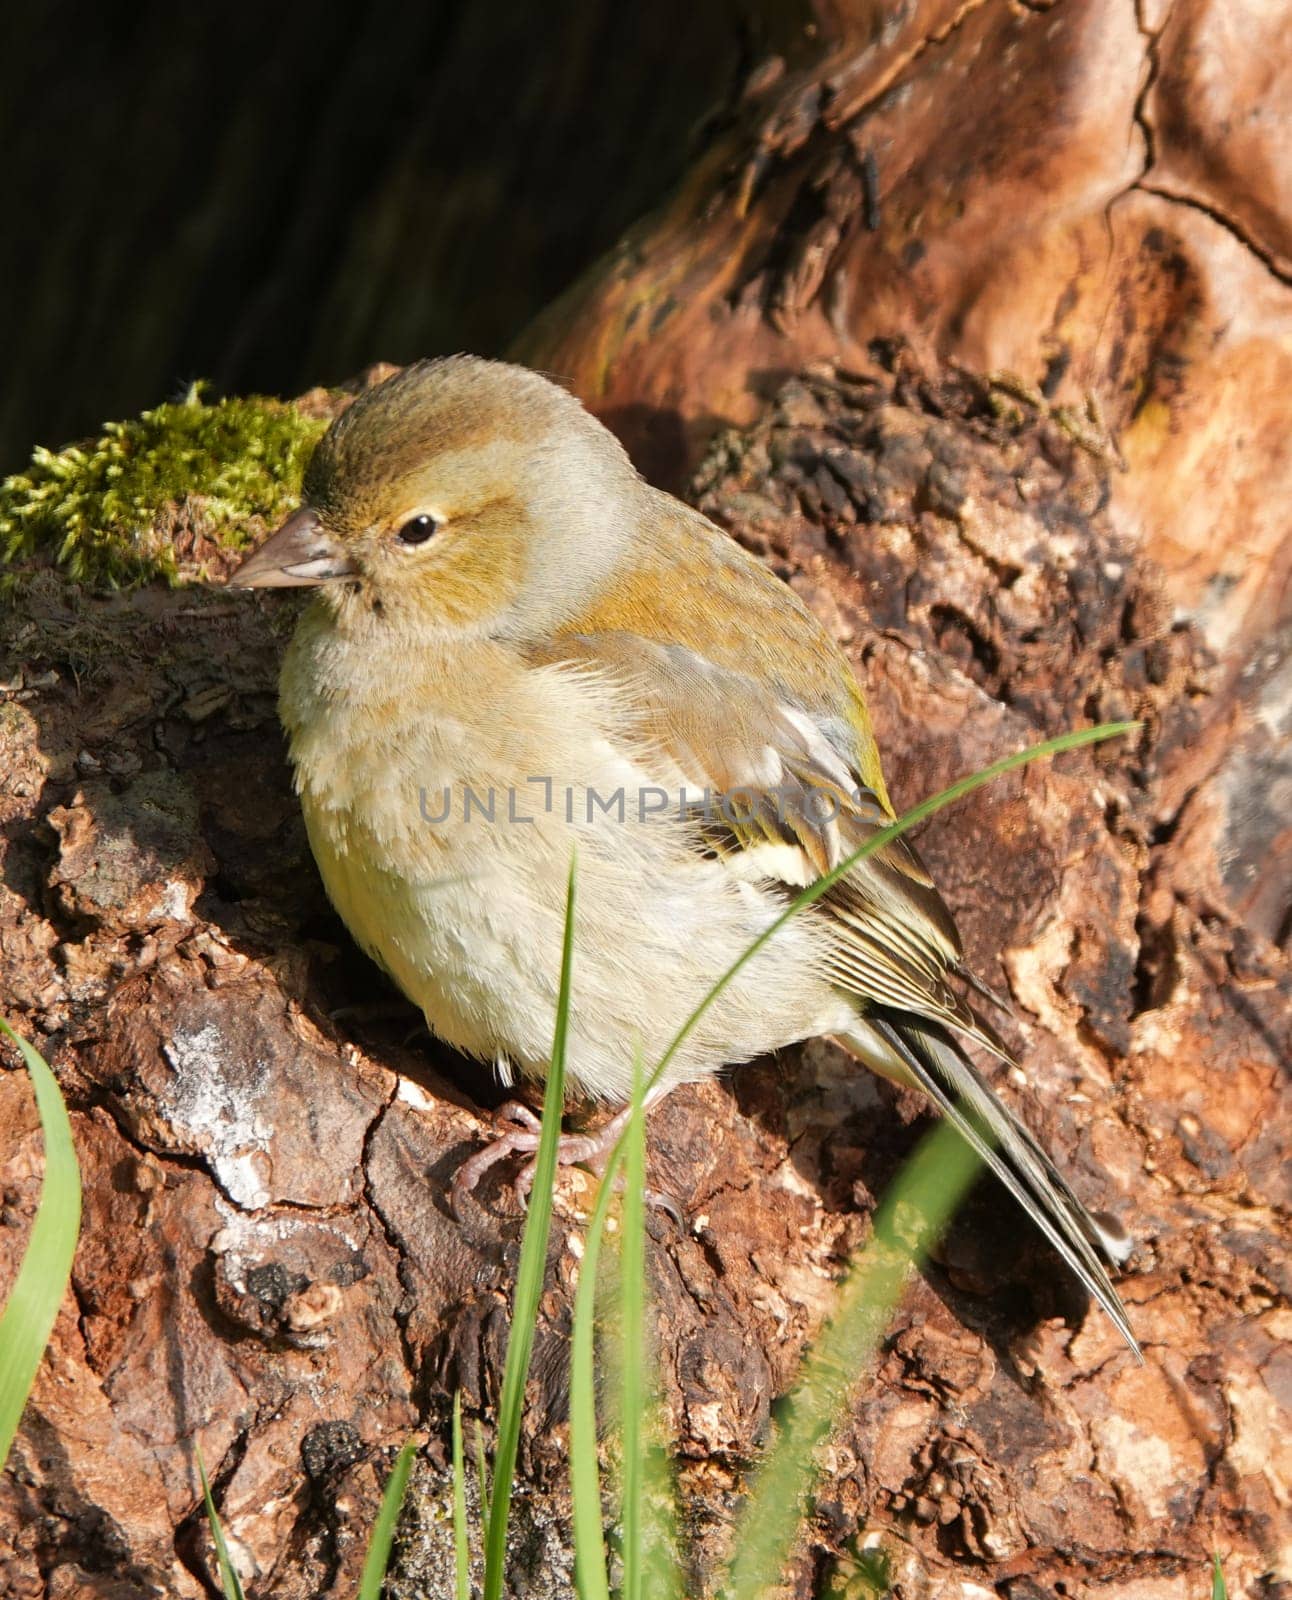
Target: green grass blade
1218 1590
529 1276
229 1579
382 1537
663 1569
482 1475
461 1545
37 1293
590 1582
913 1213
651 1570
649 1534
632 1317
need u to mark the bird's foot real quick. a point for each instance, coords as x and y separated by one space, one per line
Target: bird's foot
517 1133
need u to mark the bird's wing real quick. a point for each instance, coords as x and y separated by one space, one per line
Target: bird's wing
778 791
787 802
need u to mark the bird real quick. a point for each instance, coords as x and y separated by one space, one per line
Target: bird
519 651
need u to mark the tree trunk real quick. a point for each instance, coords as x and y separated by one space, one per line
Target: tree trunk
977 331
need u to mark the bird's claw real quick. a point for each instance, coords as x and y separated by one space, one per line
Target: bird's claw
517 1132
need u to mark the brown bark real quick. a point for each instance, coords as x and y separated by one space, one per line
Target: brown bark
1090 199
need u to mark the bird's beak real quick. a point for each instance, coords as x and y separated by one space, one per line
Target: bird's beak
300 552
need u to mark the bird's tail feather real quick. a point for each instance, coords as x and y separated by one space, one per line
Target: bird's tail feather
928 1057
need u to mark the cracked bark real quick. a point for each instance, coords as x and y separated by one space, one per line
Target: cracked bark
1003 497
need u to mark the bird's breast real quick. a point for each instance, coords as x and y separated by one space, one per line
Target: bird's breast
444 804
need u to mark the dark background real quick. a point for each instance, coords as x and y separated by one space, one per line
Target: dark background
276 198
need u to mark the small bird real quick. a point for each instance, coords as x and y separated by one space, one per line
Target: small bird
519 649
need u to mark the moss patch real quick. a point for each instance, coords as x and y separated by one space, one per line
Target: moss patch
158 496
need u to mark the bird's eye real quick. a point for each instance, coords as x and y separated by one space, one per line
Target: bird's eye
417 530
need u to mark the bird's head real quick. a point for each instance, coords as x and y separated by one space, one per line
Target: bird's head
459 498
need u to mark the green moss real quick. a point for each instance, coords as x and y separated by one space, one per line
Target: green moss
107 511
